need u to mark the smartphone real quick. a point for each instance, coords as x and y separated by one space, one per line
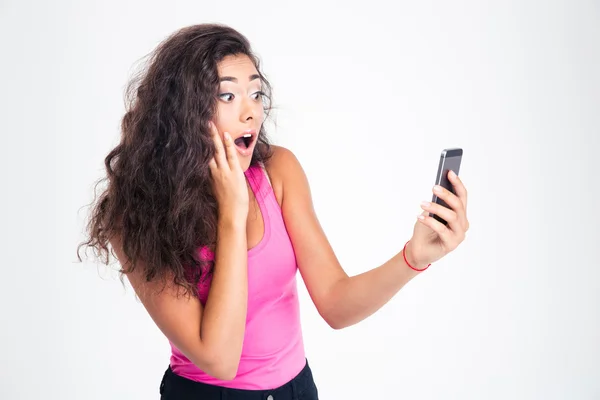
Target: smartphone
450 159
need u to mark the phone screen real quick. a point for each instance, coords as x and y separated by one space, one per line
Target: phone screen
449 160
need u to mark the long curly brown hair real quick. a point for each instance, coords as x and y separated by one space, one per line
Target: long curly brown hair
159 199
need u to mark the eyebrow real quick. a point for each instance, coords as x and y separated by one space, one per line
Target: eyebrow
232 79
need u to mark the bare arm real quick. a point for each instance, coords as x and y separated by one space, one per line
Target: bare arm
224 321
210 337
352 299
341 300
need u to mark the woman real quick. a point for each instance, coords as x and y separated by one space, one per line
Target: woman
210 224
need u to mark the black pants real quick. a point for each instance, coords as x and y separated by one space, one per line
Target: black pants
175 387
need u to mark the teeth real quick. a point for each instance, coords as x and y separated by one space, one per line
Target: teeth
247 135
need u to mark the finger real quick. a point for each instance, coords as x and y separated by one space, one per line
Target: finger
461 193
220 157
451 199
212 165
231 151
459 188
436 226
445 213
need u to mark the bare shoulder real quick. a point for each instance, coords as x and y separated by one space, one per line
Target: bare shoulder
284 169
282 159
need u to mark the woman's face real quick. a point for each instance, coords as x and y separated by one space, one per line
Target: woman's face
240 105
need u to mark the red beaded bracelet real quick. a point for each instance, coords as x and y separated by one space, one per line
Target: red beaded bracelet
406 261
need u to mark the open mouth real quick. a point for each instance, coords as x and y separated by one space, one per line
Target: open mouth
244 141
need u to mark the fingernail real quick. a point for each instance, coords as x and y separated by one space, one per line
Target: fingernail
437 189
420 216
452 174
425 204
227 137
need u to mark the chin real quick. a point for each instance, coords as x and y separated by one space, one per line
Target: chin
245 163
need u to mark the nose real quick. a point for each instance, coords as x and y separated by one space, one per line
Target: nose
247 111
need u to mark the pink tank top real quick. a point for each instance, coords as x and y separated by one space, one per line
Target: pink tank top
273 349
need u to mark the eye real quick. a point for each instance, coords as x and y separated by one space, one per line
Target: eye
258 95
226 96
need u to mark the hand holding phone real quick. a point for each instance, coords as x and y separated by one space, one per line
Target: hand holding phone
433 236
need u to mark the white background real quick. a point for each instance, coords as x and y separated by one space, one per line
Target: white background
367 95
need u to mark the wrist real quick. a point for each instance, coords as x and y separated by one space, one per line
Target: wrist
232 220
411 260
